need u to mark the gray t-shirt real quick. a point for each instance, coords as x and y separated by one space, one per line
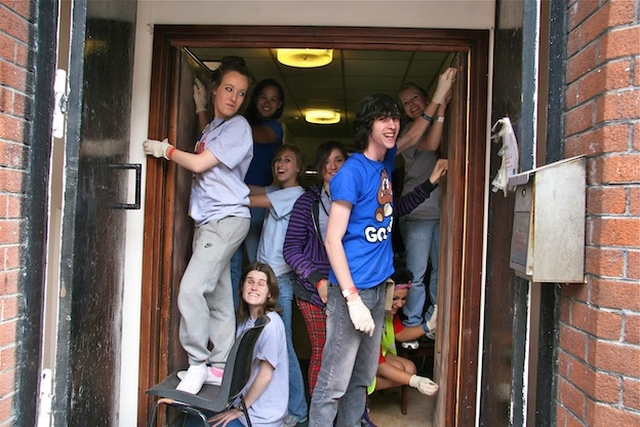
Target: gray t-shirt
418 168
274 228
270 407
220 191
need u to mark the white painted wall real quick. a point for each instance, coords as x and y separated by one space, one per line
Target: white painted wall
454 14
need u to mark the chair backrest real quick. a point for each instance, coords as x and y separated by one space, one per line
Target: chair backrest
241 357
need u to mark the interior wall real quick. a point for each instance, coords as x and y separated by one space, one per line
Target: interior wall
471 14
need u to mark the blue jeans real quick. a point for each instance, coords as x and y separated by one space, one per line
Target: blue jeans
421 240
297 401
349 361
250 245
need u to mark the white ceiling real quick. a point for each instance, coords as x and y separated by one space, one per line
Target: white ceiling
339 86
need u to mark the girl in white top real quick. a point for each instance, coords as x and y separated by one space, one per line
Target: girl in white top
219 206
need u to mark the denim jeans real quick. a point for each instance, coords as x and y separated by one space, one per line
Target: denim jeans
297 400
250 245
349 361
421 240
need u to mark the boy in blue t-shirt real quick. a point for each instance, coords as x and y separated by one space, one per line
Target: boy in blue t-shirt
358 243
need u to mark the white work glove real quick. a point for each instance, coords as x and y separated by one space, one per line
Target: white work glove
361 316
424 385
200 96
155 148
445 81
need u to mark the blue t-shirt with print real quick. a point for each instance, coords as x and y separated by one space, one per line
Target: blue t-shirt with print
259 172
366 184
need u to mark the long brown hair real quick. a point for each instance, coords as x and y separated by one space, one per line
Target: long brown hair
272 285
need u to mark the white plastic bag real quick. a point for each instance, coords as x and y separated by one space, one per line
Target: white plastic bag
508 152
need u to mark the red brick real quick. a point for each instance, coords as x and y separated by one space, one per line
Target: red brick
580 10
12 257
597 322
13 76
604 262
10 181
571 96
564 362
7 382
561 416
18 108
631 393
580 119
573 42
7 333
23 8
12 155
598 386
634 201
610 76
572 421
632 328
573 341
616 232
582 63
14 25
7 48
14 206
10 308
571 397
620 42
22 55
594 26
6 406
602 415
11 128
614 169
608 200
7 358
9 231
8 281
576 291
614 357
615 294
604 139
618 105
633 265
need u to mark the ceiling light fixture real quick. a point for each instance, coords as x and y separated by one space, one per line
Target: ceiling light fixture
322 117
305 58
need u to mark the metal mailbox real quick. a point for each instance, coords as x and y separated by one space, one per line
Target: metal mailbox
547 244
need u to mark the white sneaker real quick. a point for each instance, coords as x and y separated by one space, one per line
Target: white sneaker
193 379
432 323
214 375
410 345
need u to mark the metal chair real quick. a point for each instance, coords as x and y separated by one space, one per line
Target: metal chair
213 399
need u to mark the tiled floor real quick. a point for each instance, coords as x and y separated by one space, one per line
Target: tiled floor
385 409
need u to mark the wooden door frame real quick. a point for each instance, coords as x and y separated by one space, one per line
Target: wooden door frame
464 205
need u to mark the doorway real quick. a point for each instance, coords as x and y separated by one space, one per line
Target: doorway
167 235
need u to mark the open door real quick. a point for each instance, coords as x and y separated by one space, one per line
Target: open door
167 230
168 191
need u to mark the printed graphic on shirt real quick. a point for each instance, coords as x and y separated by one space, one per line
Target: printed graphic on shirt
385 197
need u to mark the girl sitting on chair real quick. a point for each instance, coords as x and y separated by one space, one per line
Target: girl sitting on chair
266 393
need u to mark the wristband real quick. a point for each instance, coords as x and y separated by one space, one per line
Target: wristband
320 283
352 290
427 118
170 152
440 119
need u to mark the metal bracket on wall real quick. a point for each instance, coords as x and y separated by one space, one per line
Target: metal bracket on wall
138 168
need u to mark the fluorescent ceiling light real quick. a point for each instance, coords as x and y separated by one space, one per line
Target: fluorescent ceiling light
305 58
322 117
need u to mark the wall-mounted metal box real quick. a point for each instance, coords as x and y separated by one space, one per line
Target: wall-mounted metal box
548 238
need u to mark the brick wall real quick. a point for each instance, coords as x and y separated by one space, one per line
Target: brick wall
14 101
599 348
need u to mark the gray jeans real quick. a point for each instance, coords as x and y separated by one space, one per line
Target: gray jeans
205 298
349 361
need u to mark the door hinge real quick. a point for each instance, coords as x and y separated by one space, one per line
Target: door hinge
46 398
60 103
